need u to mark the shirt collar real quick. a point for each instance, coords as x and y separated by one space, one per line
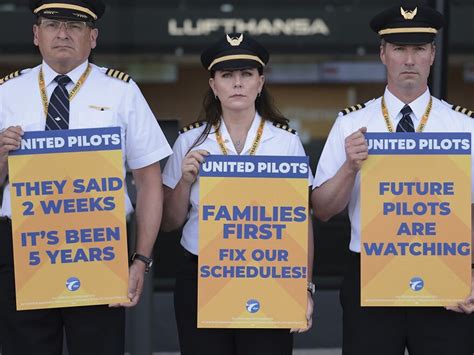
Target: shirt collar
49 74
418 106
250 135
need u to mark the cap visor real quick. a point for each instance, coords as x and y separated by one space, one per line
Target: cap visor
236 64
409 38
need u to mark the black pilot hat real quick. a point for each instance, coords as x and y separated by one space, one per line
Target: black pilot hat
76 10
408 23
234 51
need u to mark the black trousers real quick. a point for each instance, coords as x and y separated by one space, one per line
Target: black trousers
200 341
90 330
389 330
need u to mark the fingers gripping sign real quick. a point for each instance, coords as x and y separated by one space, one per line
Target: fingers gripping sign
191 164
356 149
136 281
309 316
467 306
10 139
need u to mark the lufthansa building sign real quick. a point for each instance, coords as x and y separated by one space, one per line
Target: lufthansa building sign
186 27
257 27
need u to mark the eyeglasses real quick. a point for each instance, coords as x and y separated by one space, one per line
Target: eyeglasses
71 27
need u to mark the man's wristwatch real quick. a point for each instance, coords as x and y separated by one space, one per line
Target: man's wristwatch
147 261
311 288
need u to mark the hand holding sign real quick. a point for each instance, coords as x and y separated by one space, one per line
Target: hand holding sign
356 149
10 139
191 163
309 316
136 279
467 306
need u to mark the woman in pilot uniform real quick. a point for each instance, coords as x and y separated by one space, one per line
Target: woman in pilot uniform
238 117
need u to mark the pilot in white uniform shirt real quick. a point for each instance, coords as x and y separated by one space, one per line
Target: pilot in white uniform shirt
102 101
274 141
442 118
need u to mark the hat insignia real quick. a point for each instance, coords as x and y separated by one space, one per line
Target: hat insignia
235 41
408 15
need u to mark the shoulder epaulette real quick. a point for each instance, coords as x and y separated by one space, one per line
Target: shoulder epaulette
464 110
117 74
196 124
284 127
15 74
351 109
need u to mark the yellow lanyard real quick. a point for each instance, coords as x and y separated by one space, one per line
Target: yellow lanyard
74 91
255 143
422 124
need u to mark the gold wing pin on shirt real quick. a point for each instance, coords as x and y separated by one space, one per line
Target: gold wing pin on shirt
99 108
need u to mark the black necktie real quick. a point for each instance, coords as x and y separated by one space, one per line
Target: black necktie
58 108
406 124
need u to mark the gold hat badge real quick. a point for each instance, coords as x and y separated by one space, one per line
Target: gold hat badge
235 41
408 15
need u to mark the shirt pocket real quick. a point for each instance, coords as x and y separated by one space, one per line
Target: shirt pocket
28 121
94 118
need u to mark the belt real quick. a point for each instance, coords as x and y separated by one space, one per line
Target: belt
190 256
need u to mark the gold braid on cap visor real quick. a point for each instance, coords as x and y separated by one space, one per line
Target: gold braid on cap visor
67 7
235 57
389 31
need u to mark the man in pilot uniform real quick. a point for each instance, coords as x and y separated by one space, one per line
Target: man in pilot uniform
67 92
407 51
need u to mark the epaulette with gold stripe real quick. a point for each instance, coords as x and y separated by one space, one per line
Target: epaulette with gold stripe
351 109
192 126
464 110
15 74
284 127
117 74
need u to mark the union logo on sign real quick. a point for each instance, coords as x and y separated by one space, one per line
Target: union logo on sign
417 284
73 284
253 306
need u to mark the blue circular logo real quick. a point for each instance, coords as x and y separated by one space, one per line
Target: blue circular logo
417 284
73 284
253 306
